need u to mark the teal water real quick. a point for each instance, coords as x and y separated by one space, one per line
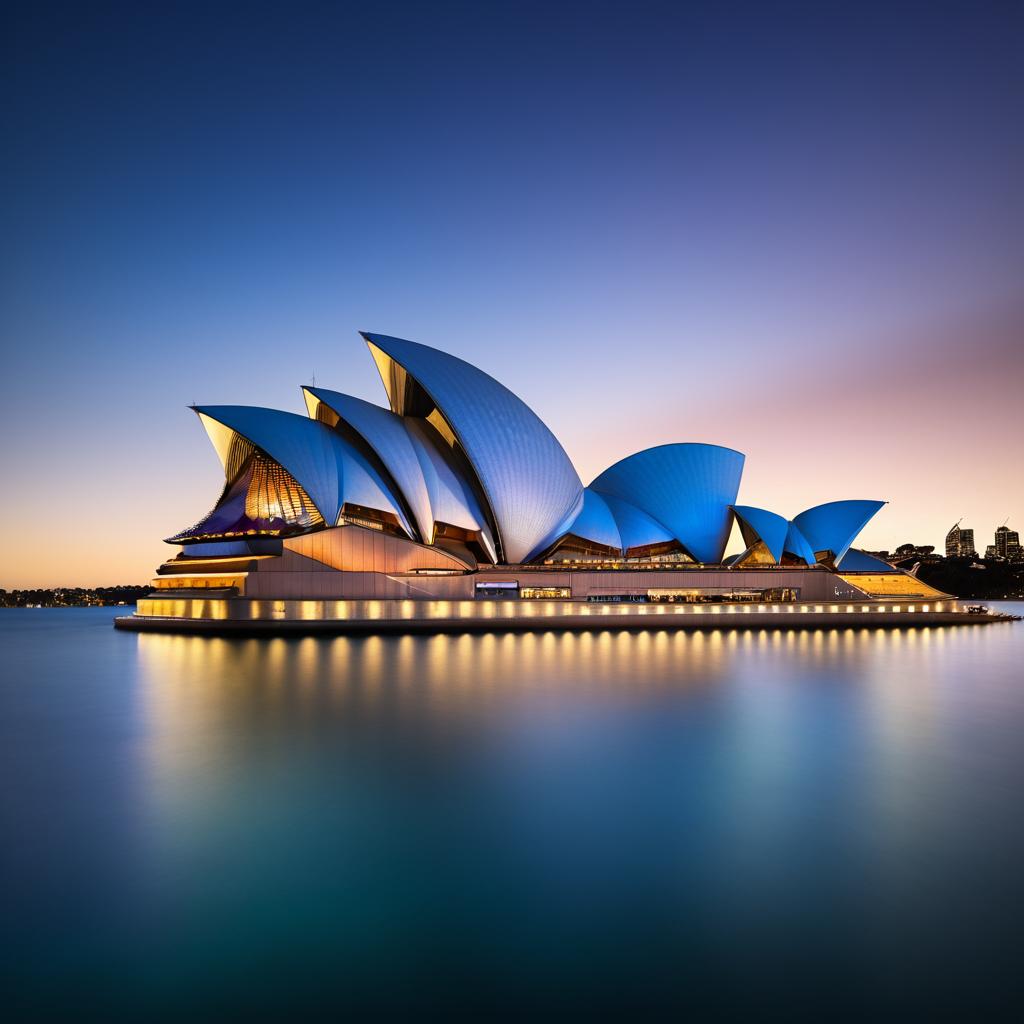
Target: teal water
816 822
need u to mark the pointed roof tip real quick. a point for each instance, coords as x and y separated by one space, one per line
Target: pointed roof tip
386 341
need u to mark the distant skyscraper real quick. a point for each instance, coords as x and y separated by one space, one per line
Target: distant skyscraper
960 543
1007 542
953 542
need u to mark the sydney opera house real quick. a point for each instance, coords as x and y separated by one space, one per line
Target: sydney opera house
457 505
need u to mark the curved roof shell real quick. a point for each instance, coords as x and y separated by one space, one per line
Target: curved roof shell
524 473
834 526
760 524
636 528
594 522
451 497
329 469
687 488
779 535
796 544
386 433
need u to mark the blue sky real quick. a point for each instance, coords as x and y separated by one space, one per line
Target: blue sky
792 229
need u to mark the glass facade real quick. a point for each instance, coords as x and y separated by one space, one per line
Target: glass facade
497 588
572 551
273 494
674 595
371 518
262 500
686 595
757 554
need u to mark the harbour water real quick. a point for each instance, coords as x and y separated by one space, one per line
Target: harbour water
822 821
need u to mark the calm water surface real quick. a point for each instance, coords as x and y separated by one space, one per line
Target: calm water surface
821 821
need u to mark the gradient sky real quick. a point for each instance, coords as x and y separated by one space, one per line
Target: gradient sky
796 230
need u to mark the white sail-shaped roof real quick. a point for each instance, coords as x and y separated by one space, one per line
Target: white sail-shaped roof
834 526
636 528
460 460
760 524
525 475
386 433
594 522
450 494
687 488
796 544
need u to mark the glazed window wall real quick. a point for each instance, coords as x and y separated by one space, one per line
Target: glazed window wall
262 500
572 559
369 524
274 494
371 518
675 595
775 595
211 582
665 553
757 554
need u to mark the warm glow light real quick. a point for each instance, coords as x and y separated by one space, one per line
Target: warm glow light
398 610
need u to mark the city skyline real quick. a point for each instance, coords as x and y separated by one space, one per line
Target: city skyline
651 229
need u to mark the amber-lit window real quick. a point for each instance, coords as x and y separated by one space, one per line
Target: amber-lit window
213 582
263 499
542 592
274 494
371 518
574 549
664 553
370 524
673 595
757 554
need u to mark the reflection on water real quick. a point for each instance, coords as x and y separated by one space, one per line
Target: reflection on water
710 818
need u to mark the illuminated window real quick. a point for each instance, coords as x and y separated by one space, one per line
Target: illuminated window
545 592
261 499
274 493
757 553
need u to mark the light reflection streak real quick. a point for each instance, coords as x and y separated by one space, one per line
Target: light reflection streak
191 686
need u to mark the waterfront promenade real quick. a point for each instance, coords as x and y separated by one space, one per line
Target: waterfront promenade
256 616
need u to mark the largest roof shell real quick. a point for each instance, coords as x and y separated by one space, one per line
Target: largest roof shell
687 488
526 477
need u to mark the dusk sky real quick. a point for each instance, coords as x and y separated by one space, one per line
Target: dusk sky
795 230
